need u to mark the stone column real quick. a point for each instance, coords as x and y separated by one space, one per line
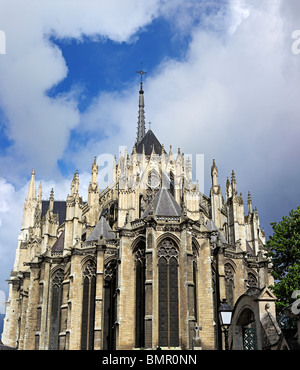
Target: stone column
125 329
75 302
99 299
31 318
184 284
22 310
11 322
44 294
150 242
205 297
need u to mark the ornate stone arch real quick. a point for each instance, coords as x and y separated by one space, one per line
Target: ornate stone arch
196 244
54 270
137 240
171 236
86 260
231 263
251 279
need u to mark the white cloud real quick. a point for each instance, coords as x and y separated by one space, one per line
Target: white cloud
39 126
2 302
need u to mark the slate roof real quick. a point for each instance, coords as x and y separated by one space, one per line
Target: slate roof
59 207
211 226
4 347
148 140
58 246
102 228
164 204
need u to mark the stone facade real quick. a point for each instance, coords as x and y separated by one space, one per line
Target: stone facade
141 264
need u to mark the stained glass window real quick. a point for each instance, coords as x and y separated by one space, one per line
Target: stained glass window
168 294
110 284
56 288
229 279
88 306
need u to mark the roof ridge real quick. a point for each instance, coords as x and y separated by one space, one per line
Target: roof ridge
164 204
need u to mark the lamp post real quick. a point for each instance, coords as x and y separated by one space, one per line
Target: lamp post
225 313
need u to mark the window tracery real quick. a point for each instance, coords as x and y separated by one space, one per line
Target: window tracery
229 280
168 294
56 302
88 306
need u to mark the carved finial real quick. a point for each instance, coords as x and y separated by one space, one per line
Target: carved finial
31 195
153 150
250 210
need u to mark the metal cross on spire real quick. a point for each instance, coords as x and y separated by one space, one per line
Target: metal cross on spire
141 72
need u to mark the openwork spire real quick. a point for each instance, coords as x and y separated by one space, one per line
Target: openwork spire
141 129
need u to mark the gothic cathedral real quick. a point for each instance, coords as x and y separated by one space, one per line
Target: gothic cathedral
141 264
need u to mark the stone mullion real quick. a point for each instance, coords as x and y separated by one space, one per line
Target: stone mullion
22 313
29 340
150 235
98 326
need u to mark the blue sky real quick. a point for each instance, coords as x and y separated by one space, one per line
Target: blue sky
222 80
108 65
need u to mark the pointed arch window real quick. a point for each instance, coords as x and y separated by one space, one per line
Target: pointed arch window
252 281
110 286
88 306
56 302
140 271
153 179
229 280
172 186
195 254
168 294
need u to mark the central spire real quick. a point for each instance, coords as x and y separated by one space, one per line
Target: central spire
141 129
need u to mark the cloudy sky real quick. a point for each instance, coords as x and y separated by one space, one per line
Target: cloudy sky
223 80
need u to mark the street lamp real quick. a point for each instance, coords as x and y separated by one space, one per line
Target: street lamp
225 313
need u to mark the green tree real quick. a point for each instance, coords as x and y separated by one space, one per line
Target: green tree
284 248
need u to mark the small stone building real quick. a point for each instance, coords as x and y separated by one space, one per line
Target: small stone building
254 325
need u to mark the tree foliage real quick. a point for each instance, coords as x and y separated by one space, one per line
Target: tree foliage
284 248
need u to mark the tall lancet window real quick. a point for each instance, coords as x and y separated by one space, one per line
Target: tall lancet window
88 306
110 286
172 186
168 294
195 255
56 301
229 280
139 254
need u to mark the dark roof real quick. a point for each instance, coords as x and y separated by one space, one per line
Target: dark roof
4 347
102 228
164 204
211 226
59 207
249 249
148 140
58 246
